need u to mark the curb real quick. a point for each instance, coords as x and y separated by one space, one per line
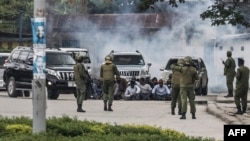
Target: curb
213 109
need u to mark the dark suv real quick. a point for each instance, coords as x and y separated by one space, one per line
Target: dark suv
18 73
202 84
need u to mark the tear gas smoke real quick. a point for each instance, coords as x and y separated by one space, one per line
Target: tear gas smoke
187 36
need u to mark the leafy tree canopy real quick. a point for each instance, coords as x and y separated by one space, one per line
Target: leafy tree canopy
221 12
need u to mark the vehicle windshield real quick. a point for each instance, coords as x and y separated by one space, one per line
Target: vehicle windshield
59 59
195 63
86 59
128 60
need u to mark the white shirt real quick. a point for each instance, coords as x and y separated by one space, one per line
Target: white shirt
161 90
132 91
146 88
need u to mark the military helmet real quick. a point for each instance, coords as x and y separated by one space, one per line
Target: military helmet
187 60
241 61
108 59
229 53
180 61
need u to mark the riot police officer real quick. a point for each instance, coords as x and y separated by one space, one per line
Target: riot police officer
189 77
175 81
108 73
229 72
80 80
242 84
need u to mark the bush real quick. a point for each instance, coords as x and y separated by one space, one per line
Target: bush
72 129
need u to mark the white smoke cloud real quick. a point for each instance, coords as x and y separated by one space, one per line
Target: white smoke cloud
168 42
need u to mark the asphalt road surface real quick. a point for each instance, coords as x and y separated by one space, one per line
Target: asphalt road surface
155 113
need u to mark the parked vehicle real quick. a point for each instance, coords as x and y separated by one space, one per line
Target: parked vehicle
202 84
18 72
131 64
87 61
3 57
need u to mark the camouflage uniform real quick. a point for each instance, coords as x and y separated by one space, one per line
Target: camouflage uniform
229 72
80 80
175 82
188 78
107 73
242 84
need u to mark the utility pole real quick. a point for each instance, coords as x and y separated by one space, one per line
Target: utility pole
39 77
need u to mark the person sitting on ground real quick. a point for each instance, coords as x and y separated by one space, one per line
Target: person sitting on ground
134 79
145 90
97 87
120 87
132 91
153 82
161 91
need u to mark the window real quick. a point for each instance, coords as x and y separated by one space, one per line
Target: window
59 59
23 56
128 60
15 55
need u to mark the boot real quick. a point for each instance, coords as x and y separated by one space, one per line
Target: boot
172 111
230 94
109 107
239 112
193 116
105 106
179 111
244 110
79 108
183 115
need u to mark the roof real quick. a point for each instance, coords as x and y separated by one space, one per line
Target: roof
80 23
74 49
125 52
47 49
182 57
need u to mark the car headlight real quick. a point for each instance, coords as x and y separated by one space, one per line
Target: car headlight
54 73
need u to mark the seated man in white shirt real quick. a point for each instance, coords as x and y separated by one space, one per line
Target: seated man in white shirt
160 91
132 91
145 90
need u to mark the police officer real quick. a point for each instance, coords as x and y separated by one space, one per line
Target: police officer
175 81
80 79
107 73
189 76
242 84
229 72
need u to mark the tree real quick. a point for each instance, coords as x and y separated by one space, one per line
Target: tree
10 10
222 12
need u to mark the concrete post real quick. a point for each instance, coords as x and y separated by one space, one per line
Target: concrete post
38 83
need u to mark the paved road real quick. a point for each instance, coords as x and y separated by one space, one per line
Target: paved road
156 113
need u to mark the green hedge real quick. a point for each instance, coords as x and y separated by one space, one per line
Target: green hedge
72 129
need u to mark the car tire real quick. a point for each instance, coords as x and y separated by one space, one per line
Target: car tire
11 87
26 93
53 94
